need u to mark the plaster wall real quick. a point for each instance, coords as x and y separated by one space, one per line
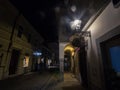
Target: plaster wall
105 22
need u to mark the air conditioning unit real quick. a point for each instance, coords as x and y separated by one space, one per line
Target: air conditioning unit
116 3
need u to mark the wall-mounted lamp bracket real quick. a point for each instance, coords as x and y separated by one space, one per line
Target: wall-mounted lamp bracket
85 33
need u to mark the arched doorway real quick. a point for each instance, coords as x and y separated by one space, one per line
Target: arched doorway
68 58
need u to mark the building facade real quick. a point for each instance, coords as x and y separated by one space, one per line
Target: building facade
104 28
96 63
18 41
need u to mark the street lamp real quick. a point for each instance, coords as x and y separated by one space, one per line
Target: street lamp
76 24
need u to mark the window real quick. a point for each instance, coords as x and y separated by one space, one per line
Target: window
116 3
29 38
1 57
20 31
115 58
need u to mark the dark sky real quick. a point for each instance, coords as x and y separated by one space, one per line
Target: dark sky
40 13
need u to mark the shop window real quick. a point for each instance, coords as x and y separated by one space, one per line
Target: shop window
26 61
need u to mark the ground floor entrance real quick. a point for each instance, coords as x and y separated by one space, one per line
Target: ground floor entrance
14 61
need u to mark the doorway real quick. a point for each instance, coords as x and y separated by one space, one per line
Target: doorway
110 50
14 61
67 62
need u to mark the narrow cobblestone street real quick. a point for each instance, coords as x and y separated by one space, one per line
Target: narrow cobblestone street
34 81
69 83
41 81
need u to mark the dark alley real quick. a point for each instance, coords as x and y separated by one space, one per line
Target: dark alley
59 44
41 81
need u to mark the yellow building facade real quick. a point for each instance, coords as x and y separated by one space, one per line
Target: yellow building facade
16 36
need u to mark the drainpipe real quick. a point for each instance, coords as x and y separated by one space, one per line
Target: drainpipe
11 37
13 30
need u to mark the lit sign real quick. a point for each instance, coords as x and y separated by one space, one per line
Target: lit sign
37 53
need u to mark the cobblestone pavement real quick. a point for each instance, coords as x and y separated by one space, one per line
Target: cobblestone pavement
44 81
34 81
69 83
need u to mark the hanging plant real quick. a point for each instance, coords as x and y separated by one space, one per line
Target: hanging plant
78 42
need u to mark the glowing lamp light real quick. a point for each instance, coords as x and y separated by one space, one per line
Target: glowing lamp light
76 24
73 53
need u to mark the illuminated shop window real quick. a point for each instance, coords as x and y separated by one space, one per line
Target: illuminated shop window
26 61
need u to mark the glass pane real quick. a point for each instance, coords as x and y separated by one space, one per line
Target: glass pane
115 58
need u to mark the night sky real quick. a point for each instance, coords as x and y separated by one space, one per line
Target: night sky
41 14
